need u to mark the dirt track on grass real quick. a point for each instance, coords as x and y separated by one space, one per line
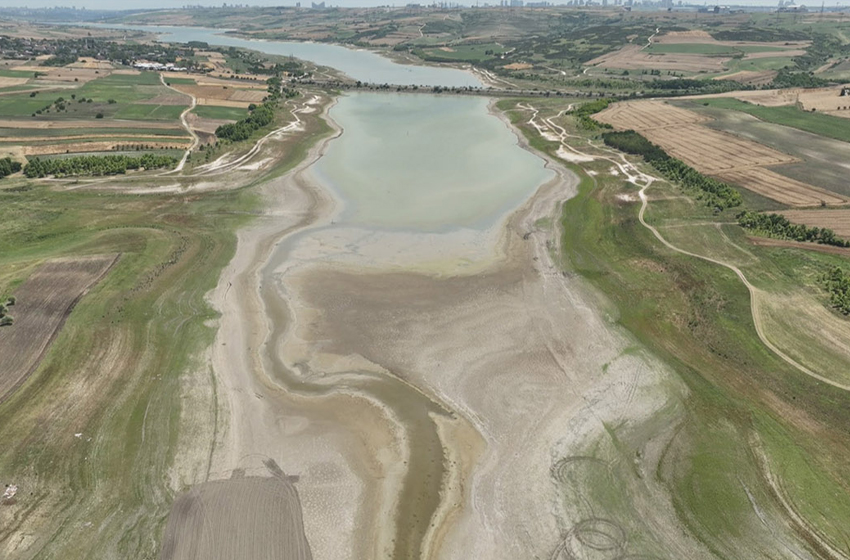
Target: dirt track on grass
44 301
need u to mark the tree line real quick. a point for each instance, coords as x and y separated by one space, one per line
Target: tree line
715 194
583 113
837 283
243 129
777 225
95 165
8 166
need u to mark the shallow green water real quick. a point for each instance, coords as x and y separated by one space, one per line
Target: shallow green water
425 162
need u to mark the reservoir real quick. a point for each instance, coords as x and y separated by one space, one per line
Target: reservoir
358 64
425 162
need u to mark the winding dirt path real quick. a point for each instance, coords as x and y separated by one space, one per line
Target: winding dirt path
644 181
195 139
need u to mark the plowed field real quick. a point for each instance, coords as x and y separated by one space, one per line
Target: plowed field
44 301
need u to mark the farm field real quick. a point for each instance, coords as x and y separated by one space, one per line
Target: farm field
107 111
241 517
780 188
836 220
821 160
699 52
691 136
44 301
818 123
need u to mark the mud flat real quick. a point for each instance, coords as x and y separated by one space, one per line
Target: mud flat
423 382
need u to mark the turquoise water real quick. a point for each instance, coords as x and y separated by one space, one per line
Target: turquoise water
425 162
362 65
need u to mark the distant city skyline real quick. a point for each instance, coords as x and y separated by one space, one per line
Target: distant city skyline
159 4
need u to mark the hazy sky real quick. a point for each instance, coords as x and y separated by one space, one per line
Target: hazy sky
129 4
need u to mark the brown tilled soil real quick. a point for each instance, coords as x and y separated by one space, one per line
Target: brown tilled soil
44 301
712 151
633 57
781 188
836 220
241 518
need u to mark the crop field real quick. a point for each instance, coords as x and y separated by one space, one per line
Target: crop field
735 158
836 220
220 113
712 151
822 160
634 57
248 517
781 188
823 124
223 96
750 77
643 115
44 301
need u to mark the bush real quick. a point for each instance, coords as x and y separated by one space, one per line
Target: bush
99 116
242 130
6 321
8 166
837 283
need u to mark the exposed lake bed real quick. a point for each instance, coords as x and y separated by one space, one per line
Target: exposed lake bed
396 335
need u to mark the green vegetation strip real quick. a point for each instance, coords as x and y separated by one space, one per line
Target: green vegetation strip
95 165
715 194
778 226
585 111
837 283
837 128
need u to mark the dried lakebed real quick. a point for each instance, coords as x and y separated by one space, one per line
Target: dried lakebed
398 341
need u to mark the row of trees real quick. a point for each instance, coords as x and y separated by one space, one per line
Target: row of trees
716 194
8 166
583 114
242 130
777 225
837 283
95 165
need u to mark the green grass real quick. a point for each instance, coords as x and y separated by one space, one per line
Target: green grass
22 105
706 48
213 112
135 341
759 64
696 317
471 53
180 81
15 74
150 112
837 128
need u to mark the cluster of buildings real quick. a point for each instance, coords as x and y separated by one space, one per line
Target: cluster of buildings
140 65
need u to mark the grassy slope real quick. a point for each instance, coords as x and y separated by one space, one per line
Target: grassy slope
114 373
696 317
